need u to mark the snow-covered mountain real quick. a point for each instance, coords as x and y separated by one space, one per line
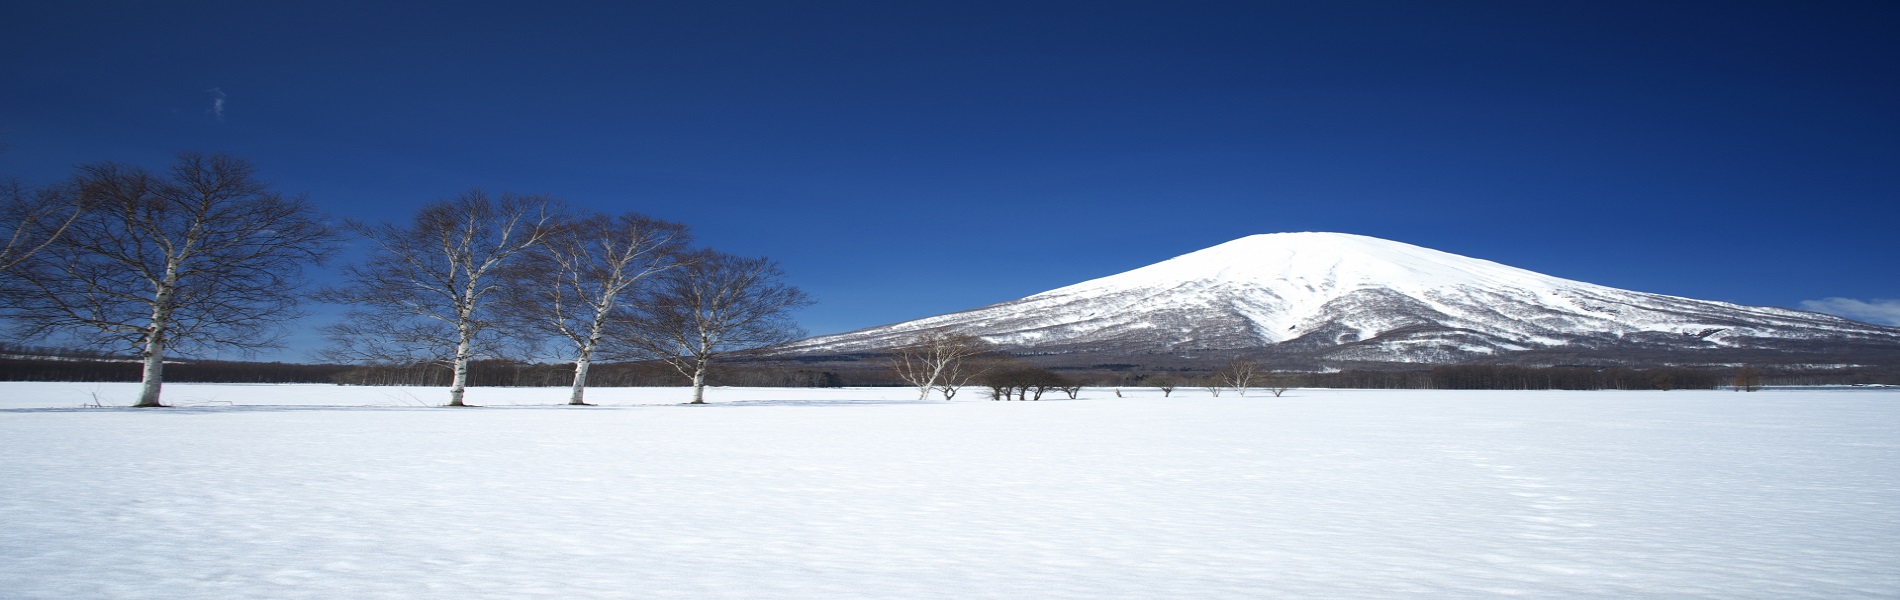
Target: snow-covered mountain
1349 298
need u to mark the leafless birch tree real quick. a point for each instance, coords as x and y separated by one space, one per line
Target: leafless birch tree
936 360
425 292
967 371
713 304
570 286
1239 374
1213 383
204 255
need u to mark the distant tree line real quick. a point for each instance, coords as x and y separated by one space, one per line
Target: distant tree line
31 369
19 350
1512 377
1369 380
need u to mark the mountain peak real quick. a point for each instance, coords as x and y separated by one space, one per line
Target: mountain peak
1323 263
1333 298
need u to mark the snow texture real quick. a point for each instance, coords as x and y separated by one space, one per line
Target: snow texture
1343 297
310 492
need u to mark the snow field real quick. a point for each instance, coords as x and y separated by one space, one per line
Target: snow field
309 492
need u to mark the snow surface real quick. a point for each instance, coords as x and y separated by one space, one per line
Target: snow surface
343 492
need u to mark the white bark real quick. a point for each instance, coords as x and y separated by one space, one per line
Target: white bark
932 359
713 304
571 285
427 293
153 377
458 386
578 397
699 384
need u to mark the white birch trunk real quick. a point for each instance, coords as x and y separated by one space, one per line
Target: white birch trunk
579 395
459 385
585 360
154 376
699 383
153 379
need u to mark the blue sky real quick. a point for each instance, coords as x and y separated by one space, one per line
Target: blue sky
904 159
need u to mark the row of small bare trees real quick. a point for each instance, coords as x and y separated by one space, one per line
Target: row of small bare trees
1239 375
946 361
205 256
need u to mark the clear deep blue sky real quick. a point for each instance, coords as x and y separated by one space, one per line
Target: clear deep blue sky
904 159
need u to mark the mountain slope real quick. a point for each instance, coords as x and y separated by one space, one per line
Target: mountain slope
1341 297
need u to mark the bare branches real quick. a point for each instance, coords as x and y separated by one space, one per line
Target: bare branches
1239 374
424 293
937 360
1011 379
37 217
570 286
1277 384
713 304
1212 383
1164 382
1747 378
962 373
203 256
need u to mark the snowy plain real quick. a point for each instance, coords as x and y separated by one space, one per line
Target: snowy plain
308 491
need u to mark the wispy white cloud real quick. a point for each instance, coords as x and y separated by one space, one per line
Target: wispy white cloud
217 102
1885 312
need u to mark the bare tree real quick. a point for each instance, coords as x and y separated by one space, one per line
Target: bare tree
966 371
1747 379
425 292
1277 384
1001 374
1212 383
1165 383
1239 374
1042 380
1072 387
933 358
712 305
570 286
204 255
37 217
